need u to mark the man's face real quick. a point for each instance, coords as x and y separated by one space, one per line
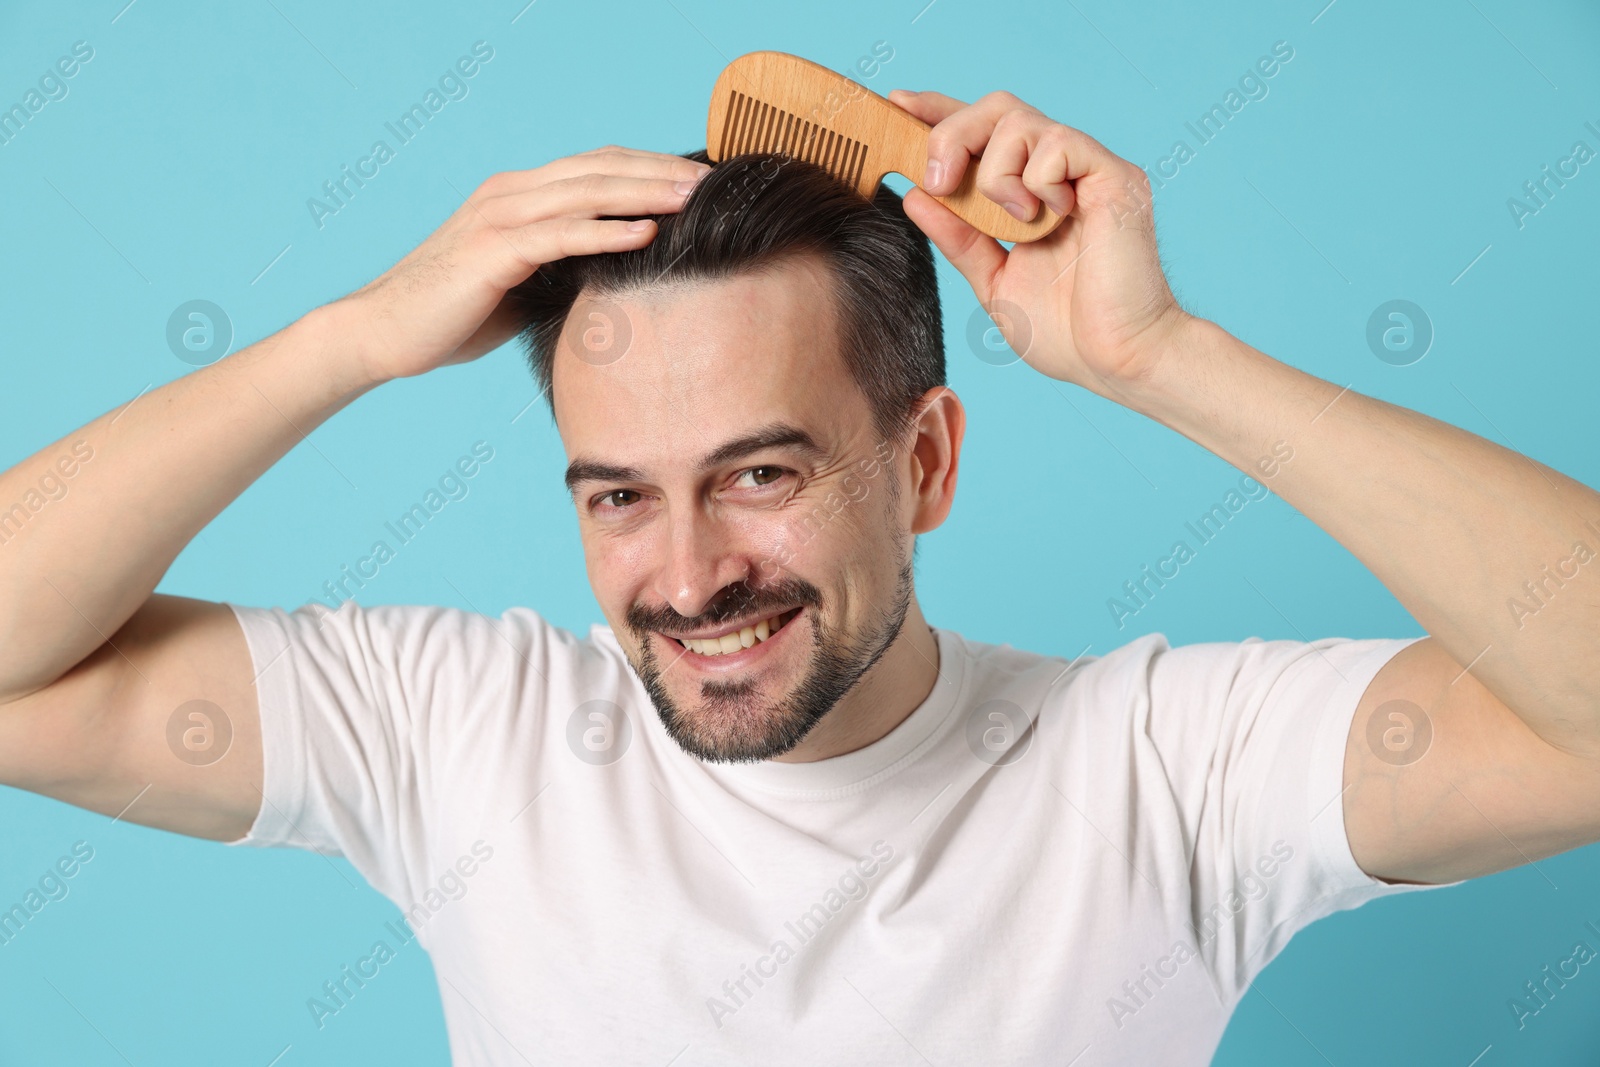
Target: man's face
728 476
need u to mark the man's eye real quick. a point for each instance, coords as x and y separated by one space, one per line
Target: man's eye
763 475
614 496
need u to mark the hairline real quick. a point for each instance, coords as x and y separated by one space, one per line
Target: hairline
776 262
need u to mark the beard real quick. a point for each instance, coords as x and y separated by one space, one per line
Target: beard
731 723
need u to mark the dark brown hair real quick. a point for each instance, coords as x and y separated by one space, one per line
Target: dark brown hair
749 212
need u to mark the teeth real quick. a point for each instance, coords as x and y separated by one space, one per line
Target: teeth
733 642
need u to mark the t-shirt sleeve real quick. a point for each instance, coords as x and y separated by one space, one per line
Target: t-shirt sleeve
362 712
1252 736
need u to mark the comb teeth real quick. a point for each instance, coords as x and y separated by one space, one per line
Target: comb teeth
756 126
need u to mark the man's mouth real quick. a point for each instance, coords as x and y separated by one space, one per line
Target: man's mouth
726 640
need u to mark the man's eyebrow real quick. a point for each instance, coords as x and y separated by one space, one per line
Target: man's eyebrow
777 435
580 471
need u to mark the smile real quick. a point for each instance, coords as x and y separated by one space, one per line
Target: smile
736 639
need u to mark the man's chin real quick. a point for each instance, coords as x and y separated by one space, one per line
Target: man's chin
735 722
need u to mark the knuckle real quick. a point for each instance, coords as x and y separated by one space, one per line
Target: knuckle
995 184
1017 116
493 213
496 181
1056 136
562 232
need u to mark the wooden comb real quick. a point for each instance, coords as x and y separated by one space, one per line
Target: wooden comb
776 102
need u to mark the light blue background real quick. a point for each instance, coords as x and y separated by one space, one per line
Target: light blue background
179 167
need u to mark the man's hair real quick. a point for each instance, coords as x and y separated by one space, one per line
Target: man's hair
754 211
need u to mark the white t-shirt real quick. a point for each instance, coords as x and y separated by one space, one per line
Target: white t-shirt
969 889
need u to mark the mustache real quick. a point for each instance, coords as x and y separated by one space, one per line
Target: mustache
737 601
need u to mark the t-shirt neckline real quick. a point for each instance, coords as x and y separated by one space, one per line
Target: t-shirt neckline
854 771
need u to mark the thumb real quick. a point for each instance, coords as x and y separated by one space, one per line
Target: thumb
974 253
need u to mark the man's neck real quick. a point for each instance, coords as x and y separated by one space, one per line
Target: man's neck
896 686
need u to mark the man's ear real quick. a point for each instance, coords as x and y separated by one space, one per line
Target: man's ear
935 454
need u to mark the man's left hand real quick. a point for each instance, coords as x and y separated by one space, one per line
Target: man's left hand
1094 305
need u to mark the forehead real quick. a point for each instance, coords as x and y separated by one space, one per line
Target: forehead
702 363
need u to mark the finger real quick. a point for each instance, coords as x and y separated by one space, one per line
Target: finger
930 107
961 135
609 160
610 154
1000 172
1047 173
975 254
511 255
1032 157
587 196
647 153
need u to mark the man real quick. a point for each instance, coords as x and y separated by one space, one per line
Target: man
769 814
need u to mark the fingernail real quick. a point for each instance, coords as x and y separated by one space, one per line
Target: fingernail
934 177
639 224
1016 210
684 187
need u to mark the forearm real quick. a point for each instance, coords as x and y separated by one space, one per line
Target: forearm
1455 526
145 479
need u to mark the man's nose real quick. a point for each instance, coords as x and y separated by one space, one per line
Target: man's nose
702 558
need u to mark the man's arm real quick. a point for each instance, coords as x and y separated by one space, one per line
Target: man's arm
1455 526
94 664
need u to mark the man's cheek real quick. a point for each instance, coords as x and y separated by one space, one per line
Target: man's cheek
618 573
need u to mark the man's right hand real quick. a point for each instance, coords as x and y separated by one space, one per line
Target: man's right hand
96 663
444 302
